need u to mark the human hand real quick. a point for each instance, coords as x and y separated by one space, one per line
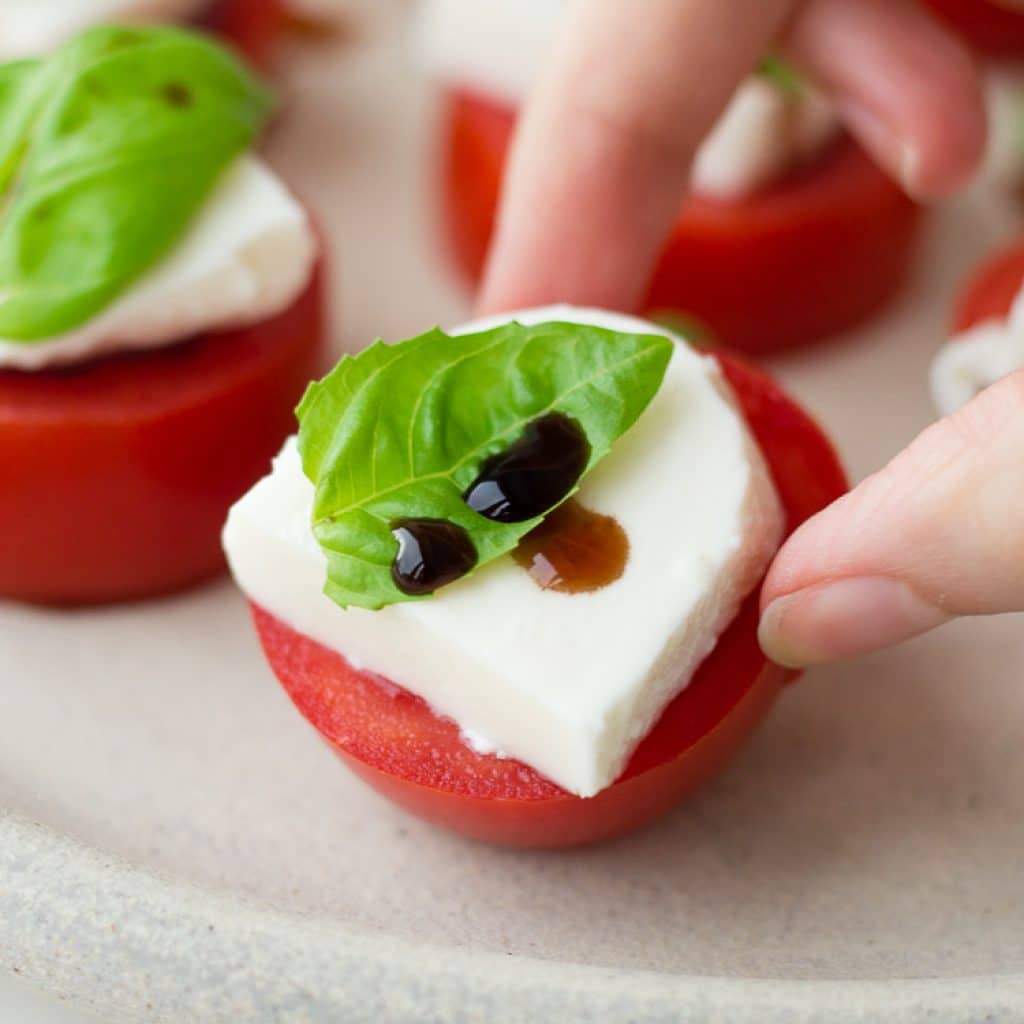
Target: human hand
938 533
605 142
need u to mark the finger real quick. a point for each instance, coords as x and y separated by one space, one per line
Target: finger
604 144
905 86
938 533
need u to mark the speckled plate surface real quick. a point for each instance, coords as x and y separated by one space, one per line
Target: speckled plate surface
199 855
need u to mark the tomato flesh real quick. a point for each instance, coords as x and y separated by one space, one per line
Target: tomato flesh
117 474
251 25
808 257
989 27
394 741
992 290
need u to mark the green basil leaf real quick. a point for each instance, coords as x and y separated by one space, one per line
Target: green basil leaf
107 151
781 74
401 431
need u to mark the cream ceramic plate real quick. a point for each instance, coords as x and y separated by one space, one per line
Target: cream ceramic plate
201 856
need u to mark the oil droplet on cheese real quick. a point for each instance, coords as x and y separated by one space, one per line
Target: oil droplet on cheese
575 550
431 553
533 474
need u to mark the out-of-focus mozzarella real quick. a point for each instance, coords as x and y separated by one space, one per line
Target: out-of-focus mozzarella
32 27
246 256
977 358
568 683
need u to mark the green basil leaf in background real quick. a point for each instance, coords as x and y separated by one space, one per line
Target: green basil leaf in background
108 149
782 74
400 431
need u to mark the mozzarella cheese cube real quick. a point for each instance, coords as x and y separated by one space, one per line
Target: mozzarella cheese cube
32 27
246 256
976 359
567 683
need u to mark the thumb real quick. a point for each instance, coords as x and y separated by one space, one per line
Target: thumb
938 533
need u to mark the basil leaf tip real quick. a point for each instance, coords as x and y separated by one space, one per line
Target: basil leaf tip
108 148
397 434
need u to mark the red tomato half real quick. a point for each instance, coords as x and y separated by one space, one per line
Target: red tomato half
252 25
808 257
991 291
117 474
990 27
397 744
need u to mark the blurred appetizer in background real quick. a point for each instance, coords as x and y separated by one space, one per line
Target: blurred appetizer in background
789 234
160 312
988 333
994 27
29 28
511 573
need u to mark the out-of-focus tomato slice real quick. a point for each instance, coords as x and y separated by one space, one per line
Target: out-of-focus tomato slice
991 291
251 25
396 743
808 257
994 28
116 475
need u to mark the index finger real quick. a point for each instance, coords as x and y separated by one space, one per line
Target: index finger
604 145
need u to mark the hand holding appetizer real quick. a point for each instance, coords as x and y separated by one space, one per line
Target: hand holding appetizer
592 187
159 312
937 533
441 564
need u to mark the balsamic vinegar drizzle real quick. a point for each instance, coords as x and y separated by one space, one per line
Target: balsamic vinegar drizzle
574 550
533 474
431 553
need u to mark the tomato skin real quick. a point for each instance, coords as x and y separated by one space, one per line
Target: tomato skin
393 740
251 25
991 291
988 27
118 474
811 256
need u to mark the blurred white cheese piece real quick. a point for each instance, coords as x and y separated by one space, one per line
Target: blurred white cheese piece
32 27
568 683
977 358
247 255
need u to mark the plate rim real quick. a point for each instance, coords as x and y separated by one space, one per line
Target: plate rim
164 948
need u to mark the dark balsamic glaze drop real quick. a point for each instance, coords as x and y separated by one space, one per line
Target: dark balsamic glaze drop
574 550
533 474
431 553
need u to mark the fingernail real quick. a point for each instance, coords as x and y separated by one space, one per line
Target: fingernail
842 619
897 155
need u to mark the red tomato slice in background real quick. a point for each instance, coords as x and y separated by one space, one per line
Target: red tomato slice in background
251 25
394 741
990 293
117 474
808 257
990 27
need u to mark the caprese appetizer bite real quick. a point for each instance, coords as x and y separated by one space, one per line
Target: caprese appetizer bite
29 28
789 233
988 333
510 573
995 27
160 312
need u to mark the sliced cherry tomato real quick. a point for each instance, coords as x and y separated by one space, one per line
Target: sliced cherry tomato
117 474
993 28
252 25
991 291
396 743
803 259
